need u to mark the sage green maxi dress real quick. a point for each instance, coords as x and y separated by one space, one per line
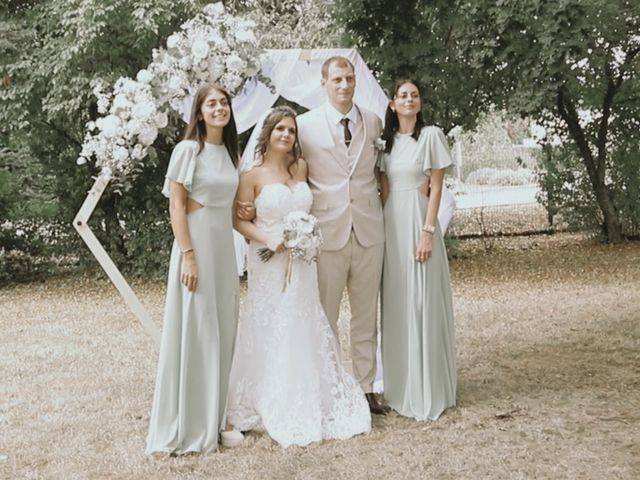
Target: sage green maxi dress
418 343
199 328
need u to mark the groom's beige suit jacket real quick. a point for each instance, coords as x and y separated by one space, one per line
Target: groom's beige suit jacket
345 191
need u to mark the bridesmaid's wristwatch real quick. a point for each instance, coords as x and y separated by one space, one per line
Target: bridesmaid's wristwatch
429 228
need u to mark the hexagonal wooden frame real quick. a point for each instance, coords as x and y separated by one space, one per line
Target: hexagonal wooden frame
81 224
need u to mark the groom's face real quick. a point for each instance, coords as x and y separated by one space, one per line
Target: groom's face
340 85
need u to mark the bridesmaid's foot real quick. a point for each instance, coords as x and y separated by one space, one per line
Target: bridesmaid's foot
375 406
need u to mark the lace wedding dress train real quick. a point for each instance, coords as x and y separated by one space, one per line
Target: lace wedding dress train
287 377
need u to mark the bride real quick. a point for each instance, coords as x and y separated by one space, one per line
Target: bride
287 377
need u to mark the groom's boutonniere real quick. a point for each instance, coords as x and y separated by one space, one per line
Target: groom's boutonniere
380 144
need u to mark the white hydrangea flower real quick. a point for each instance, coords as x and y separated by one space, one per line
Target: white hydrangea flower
108 125
143 110
144 76
173 40
245 36
235 63
176 82
134 126
120 154
185 63
103 105
213 9
220 44
200 49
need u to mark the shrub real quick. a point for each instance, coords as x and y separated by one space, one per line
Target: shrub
501 177
569 198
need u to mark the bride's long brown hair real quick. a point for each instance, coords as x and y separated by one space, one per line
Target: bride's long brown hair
197 130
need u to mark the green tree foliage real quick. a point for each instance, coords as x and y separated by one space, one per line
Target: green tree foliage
292 23
573 63
54 49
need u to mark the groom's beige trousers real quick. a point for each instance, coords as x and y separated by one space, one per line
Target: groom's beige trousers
359 269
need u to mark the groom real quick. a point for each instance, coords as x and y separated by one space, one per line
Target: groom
337 141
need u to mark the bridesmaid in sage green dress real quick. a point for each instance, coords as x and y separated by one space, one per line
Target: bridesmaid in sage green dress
201 309
418 343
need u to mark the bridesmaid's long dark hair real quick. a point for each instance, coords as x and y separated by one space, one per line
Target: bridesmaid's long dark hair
197 129
391 123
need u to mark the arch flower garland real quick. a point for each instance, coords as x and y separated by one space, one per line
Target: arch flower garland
214 46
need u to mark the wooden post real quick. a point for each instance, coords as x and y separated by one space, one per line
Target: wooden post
80 223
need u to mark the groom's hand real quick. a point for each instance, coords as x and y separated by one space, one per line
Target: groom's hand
245 210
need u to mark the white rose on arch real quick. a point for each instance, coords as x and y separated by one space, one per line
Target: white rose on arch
148 136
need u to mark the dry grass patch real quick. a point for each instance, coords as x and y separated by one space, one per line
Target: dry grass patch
548 337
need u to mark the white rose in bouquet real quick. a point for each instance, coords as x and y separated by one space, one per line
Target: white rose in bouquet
305 243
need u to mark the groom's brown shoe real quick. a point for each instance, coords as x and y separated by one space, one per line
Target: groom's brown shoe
375 406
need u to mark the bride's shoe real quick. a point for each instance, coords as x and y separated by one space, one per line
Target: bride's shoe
231 438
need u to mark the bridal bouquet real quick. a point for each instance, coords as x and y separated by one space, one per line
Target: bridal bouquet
302 237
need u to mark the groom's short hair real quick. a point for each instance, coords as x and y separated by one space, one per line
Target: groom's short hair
338 60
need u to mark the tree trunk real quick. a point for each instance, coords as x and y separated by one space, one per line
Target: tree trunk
611 227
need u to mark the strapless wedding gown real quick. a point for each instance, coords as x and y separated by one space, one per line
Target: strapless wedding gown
287 377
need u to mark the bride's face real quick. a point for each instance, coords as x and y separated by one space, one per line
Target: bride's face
283 135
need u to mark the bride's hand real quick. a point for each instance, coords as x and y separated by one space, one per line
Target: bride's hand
276 244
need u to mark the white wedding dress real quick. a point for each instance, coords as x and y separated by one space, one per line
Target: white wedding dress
287 377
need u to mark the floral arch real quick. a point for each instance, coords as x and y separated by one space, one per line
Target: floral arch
214 46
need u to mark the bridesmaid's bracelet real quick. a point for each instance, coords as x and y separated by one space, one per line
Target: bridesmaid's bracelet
184 252
429 228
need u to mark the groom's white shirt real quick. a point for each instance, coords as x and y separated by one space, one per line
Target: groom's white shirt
335 117
342 179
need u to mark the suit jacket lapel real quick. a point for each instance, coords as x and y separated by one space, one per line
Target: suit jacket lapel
364 142
330 144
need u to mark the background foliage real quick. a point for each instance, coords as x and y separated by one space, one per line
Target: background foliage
573 64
